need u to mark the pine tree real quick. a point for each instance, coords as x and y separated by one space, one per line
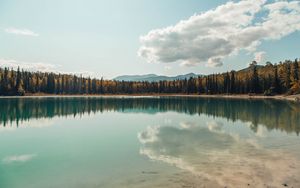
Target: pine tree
276 83
232 82
255 87
19 88
6 85
226 83
296 70
287 79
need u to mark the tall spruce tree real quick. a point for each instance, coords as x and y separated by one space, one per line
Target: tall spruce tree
296 70
255 87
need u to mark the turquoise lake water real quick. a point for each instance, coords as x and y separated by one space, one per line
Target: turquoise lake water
148 142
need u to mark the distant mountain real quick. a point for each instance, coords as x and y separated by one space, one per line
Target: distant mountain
154 77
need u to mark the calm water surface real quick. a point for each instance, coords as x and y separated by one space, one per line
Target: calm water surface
148 142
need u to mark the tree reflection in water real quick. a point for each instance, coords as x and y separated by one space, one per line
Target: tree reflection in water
273 114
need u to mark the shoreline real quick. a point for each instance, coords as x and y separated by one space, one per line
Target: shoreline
295 98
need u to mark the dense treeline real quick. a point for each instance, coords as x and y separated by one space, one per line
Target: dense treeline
282 78
285 117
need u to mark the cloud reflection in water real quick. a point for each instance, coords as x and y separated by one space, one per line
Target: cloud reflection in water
212 153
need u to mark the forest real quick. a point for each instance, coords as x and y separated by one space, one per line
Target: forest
268 79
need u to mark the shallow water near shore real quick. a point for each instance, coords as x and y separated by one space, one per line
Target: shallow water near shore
148 142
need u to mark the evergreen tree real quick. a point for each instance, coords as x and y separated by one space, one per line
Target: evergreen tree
296 70
287 79
232 82
258 79
255 87
276 83
19 88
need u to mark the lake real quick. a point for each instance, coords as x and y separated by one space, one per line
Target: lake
148 142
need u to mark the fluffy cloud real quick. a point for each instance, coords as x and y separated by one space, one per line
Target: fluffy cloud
259 56
24 32
213 35
40 66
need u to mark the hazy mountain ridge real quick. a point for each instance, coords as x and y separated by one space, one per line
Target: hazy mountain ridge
154 77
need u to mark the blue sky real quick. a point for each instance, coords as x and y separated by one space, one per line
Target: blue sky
102 37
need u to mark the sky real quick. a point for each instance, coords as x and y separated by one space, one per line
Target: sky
108 38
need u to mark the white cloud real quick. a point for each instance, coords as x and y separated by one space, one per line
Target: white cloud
259 56
37 66
18 158
216 34
24 32
40 66
214 62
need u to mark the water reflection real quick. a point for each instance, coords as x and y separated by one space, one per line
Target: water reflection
281 115
227 158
